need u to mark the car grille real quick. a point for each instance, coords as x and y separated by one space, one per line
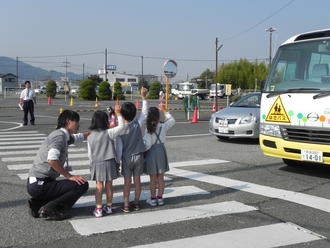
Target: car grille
230 121
306 134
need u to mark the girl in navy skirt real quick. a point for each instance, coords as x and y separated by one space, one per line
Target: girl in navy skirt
156 162
102 157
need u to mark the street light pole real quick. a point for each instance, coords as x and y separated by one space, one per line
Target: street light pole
270 30
216 72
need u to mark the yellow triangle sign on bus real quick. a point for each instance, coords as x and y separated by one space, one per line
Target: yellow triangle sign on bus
277 112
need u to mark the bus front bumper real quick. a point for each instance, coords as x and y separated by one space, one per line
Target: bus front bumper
280 148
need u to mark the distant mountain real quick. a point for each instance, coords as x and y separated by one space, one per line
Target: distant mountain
29 72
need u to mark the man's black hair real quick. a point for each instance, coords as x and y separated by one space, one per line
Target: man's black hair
100 121
65 116
27 82
128 111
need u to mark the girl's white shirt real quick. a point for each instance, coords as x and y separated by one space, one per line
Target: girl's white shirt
150 139
113 134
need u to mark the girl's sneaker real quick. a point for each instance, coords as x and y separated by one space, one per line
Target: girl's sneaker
107 209
98 212
152 202
160 201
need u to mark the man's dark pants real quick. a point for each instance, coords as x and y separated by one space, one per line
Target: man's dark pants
55 195
28 106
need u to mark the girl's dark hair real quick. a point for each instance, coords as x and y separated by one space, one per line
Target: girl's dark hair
65 116
128 111
100 121
152 119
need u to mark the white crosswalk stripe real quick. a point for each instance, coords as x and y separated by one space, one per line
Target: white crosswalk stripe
14 145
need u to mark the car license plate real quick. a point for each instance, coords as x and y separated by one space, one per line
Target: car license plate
315 156
223 123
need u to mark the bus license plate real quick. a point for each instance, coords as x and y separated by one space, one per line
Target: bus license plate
315 156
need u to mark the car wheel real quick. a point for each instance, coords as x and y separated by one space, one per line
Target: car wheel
290 162
222 138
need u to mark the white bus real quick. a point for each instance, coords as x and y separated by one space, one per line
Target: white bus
295 109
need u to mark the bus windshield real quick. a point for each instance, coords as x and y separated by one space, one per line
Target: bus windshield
301 67
220 87
185 87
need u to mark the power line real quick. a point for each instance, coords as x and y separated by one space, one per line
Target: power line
260 22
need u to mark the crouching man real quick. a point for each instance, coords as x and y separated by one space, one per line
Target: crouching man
51 198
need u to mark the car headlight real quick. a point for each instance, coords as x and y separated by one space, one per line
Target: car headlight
247 119
270 130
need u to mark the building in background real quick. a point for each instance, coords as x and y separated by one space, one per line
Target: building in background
8 81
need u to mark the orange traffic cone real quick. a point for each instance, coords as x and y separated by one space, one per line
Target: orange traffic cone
214 108
195 118
49 100
137 103
113 121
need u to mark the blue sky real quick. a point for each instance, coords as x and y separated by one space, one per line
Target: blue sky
178 29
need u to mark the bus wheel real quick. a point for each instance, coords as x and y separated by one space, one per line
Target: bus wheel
290 162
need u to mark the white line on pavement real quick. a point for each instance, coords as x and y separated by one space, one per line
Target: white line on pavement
18 125
126 221
300 198
18 147
188 135
268 236
23 138
18 132
28 166
20 159
32 152
197 162
86 201
21 135
21 142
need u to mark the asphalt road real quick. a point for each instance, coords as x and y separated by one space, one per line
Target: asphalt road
223 194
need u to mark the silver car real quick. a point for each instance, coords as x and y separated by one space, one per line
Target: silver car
240 120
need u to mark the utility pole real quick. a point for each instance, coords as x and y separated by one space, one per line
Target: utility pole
216 72
106 65
142 72
270 30
83 71
17 72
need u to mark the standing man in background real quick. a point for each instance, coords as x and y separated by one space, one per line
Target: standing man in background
27 98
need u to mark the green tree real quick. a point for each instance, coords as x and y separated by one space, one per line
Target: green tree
143 83
51 88
154 90
95 78
205 79
105 92
118 92
87 90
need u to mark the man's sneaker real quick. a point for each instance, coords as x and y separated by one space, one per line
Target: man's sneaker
98 212
152 202
107 209
160 201
33 208
125 209
136 206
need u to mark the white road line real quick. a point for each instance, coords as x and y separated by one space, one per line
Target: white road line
24 176
188 135
268 236
286 195
28 166
18 132
21 142
20 159
18 147
126 221
120 181
31 152
23 138
21 135
18 125
86 201
198 162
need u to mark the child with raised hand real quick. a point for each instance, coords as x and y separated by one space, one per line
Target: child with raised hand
102 156
133 149
156 162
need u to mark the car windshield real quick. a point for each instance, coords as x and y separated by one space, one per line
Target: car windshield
301 67
248 101
220 87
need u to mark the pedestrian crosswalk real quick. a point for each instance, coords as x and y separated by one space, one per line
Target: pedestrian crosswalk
17 151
